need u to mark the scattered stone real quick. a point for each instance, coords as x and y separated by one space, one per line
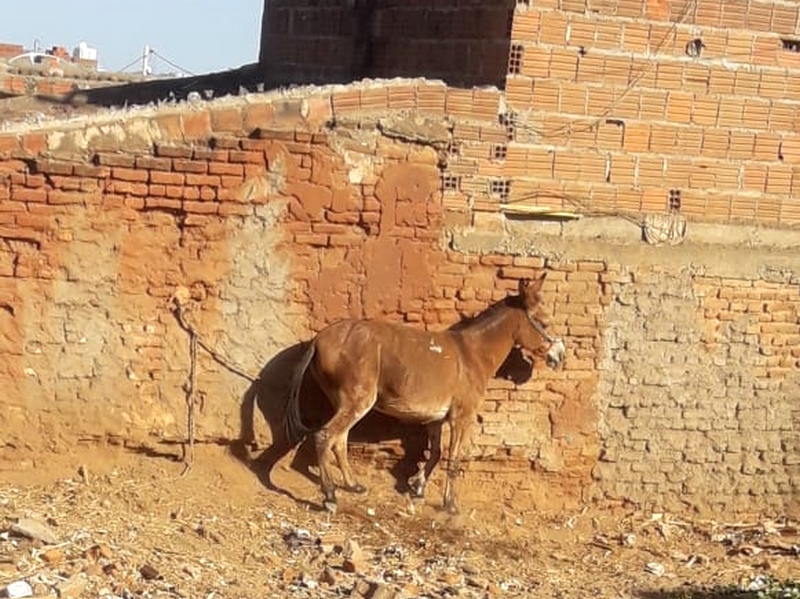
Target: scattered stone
331 544
452 578
351 548
42 590
299 537
476 582
289 575
697 559
351 567
96 552
494 589
204 533
148 572
193 571
18 589
93 570
329 577
380 591
52 556
73 587
308 581
354 558
655 568
362 588
748 550
758 583
110 569
83 472
34 529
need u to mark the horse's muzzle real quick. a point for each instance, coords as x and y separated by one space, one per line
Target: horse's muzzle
554 357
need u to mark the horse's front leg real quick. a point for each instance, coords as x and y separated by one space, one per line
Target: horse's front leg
418 482
460 424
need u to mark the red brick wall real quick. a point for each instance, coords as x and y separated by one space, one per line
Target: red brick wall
608 108
612 112
278 224
40 83
463 42
10 50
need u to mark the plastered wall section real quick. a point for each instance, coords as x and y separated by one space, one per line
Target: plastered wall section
680 383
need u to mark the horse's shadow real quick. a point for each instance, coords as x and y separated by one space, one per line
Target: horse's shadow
270 393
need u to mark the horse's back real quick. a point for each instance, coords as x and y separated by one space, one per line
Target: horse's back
414 372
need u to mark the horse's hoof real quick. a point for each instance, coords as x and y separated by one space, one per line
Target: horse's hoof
356 488
416 491
452 509
330 506
416 486
416 500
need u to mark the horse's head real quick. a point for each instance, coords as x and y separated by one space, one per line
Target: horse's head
532 338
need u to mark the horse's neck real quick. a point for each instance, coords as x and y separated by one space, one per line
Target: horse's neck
490 339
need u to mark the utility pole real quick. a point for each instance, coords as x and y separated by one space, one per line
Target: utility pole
146 68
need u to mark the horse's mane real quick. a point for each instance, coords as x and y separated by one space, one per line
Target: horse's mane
488 318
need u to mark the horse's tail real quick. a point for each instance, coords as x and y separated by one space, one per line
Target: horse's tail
296 431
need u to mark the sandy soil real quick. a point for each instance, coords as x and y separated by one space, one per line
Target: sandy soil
127 524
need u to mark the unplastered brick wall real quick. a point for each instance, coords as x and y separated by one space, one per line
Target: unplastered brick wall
20 85
629 106
275 215
465 43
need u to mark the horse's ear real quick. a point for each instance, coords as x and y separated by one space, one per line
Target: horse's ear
523 285
537 284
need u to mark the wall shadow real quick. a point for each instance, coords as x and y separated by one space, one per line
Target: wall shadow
269 394
209 85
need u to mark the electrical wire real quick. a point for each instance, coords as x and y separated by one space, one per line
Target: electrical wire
134 62
152 52
569 128
172 64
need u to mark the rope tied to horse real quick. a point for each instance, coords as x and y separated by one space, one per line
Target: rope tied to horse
181 305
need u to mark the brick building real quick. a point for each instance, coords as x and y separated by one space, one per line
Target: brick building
610 105
10 50
463 42
279 213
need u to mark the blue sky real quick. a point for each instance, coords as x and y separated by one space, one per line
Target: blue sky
199 36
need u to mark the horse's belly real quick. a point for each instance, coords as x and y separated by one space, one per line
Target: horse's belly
412 411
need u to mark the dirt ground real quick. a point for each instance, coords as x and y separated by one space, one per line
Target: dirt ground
125 523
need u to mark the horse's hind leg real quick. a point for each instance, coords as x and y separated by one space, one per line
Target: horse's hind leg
332 439
323 443
418 482
340 451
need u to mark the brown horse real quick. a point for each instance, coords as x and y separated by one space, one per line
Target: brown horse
414 376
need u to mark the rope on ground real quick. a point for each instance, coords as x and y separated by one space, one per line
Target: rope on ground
181 306
189 387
